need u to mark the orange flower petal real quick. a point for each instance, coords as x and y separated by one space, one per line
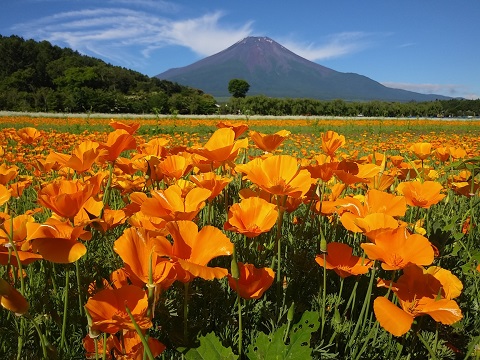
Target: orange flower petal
391 317
61 251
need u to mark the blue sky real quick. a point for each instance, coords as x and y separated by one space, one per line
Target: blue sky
428 46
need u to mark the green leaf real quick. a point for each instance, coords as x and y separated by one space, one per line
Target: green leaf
210 348
272 347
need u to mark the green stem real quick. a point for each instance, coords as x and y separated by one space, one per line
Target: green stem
40 335
365 342
104 354
106 193
278 244
140 334
22 284
79 288
351 299
63 342
363 312
324 293
185 311
240 325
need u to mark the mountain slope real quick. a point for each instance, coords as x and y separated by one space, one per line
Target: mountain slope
275 71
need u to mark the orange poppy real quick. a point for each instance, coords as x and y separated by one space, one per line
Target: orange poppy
11 299
457 152
4 195
131 128
349 172
169 204
239 128
19 186
466 188
331 142
65 197
327 204
374 223
29 135
155 147
397 248
173 167
192 250
251 217
16 229
376 201
7 173
322 168
127 166
339 258
107 309
211 181
57 241
421 194
130 348
221 146
111 344
421 150
420 292
25 256
137 249
91 212
442 154
278 175
117 142
83 156
252 282
269 142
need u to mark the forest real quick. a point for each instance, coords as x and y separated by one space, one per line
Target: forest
40 77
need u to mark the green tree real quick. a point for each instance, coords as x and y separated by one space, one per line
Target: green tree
238 88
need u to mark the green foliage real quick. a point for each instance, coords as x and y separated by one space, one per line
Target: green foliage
263 105
272 346
238 88
210 348
41 77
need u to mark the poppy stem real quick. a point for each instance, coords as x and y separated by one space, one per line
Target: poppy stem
63 342
146 348
240 326
278 245
40 335
363 312
106 193
79 287
324 293
95 344
351 299
185 311
104 353
22 281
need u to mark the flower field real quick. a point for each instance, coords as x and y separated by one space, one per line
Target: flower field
239 239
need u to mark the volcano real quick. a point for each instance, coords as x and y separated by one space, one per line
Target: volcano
274 71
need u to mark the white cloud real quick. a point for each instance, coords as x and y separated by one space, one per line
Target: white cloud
335 45
129 36
453 90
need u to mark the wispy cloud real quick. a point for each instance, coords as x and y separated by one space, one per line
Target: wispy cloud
335 45
453 90
128 36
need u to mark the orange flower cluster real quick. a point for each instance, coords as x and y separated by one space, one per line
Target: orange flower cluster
166 189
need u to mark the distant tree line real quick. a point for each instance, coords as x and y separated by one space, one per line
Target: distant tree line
263 105
37 76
